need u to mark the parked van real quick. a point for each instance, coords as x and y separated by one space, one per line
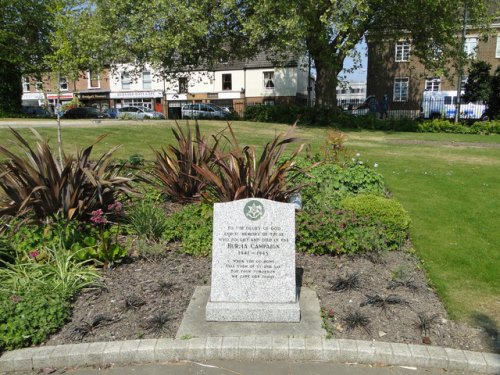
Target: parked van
442 104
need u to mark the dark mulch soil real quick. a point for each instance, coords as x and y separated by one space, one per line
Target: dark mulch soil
146 298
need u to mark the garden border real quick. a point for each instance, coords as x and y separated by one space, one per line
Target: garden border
249 348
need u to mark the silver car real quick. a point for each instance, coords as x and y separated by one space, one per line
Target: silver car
204 110
139 113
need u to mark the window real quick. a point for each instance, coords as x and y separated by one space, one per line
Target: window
126 81
227 82
432 84
470 47
26 84
401 89
497 53
268 101
146 80
402 51
183 85
269 80
63 84
39 86
94 80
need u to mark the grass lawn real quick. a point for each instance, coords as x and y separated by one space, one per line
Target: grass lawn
448 182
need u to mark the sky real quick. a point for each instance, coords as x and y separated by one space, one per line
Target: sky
359 75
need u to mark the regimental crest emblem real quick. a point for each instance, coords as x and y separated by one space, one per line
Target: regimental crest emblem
253 210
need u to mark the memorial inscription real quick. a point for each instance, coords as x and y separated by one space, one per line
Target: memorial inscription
253 262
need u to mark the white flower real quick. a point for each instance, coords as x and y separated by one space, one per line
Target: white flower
354 160
360 162
375 165
358 154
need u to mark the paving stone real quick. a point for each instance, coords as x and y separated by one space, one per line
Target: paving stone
214 348
297 348
348 350
164 350
246 347
420 356
366 351
196 349
128 351
280 348
457 359
70 355
331 350
475 362
230 347
438 358
95 352
146 350
401 355
264 348
179 349
17 360
493 362
111 352
314 348
383 352
41 357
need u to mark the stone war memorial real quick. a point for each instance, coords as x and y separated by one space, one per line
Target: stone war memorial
253 263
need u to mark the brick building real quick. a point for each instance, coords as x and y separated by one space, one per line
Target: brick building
395 71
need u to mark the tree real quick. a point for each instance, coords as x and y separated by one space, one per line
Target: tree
494 99
329 30
478 85
25 26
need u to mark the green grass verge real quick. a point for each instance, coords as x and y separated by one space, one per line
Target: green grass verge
450 189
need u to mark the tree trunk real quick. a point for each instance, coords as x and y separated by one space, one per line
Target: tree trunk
326 85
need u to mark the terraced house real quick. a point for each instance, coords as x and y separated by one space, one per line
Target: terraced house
394 71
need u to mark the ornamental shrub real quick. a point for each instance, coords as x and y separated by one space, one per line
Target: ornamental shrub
388 212
29 317
338 232
327 184
193 227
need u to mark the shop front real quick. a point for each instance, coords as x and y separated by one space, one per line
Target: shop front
99 100
57 101
148 99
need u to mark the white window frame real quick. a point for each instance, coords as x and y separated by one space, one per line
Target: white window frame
126 81
497 51
183 83
147 84
39 86
63 81
432 84
89 81
470 46
398 89
269 79
26 84
402 51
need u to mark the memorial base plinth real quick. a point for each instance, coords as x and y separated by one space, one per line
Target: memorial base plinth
253 312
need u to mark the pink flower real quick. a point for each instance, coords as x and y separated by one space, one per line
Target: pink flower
117 207
34 254
98 217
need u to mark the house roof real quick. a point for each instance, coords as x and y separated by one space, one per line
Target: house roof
261 60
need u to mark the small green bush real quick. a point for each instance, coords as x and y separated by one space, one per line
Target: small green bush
29 317
147 219
338 232
388 212
327 184
447 126
193 227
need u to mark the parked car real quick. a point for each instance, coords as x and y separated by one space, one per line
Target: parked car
36 111
139 113
84 112
204 110
112 112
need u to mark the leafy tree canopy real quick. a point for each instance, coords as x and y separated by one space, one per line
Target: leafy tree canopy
478 85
